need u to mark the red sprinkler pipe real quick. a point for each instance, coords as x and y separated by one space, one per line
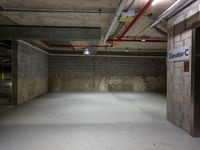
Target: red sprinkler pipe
141 13
103 46
144 41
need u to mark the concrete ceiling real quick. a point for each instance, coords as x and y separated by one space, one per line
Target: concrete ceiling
84 13
61 4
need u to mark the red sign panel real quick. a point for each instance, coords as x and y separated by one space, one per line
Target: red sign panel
186 66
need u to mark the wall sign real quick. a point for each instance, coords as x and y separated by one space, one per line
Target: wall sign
179 54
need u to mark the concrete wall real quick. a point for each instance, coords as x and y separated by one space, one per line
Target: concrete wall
106 74
179 83
32 72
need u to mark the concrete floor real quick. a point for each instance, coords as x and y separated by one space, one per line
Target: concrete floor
92 121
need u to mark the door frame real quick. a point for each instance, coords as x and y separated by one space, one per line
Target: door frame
195 82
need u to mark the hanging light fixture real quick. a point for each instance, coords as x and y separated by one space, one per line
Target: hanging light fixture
86 51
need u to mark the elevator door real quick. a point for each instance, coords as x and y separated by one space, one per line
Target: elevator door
196 80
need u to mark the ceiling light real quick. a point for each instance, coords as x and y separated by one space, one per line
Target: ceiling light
86 52
155 2
143 40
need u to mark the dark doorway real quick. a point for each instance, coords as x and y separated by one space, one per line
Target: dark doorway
5 72
196 81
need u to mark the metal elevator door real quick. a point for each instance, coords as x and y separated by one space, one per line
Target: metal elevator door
196 81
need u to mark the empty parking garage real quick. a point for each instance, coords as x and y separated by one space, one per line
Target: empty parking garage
109 75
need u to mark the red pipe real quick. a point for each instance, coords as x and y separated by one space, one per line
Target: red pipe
103 46
141 13
144 41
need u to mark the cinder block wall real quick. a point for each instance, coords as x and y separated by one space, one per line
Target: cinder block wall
106 74
179 83
32 72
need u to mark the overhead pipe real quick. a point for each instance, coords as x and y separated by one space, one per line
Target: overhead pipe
172 10
115 19
53 54
107 46
141 13
143 41
160 31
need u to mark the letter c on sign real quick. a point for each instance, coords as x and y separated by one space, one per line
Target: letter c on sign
187 52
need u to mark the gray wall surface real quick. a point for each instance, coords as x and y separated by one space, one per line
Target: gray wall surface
68 73
179 83
32 73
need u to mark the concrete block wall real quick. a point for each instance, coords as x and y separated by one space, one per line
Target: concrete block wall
68 73
32 72
179 83
179 86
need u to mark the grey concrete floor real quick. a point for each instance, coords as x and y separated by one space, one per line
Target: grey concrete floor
92 121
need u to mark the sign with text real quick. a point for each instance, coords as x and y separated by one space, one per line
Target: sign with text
179 54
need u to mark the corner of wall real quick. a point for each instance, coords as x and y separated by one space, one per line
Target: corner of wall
179 83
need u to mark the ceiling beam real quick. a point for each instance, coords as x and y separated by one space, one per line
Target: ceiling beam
50 33
69 10
4 20
110 53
